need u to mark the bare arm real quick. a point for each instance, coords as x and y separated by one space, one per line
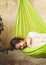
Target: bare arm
29 41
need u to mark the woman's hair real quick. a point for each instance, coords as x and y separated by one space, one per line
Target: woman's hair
15 41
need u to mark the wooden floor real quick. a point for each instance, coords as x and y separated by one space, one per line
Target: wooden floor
19 58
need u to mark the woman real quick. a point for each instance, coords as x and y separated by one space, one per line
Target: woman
33 39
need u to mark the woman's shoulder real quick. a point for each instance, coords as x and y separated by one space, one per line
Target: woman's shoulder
33 34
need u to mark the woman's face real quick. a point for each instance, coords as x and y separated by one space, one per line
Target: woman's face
21 45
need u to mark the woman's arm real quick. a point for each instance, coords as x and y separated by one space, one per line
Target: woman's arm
29 41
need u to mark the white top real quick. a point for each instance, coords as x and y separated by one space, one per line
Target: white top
37 39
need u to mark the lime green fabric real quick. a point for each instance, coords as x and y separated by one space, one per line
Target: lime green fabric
29 20
37 52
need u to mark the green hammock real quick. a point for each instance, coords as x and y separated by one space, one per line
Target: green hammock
37 52
29 20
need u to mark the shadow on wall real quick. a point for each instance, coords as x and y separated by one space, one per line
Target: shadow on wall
8 11
1 25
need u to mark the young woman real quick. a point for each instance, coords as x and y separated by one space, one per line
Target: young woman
33 39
